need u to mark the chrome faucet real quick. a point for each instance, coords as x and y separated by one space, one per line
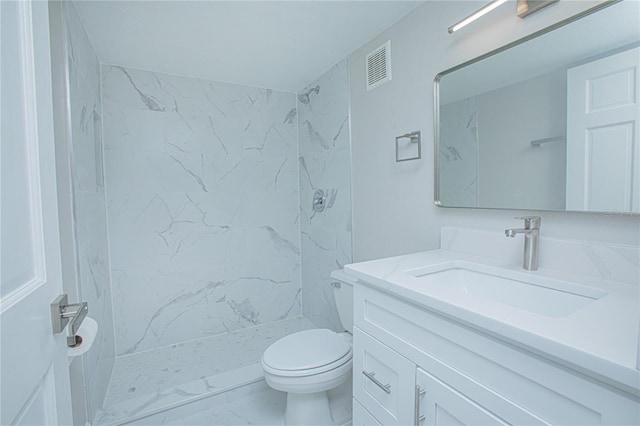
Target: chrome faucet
531 233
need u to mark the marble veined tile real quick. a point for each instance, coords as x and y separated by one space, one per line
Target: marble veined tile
182 414
264 408
202 300
149 382
203 208
324 163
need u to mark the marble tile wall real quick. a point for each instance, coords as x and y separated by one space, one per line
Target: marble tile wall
325 163
458 153
203 209
90 214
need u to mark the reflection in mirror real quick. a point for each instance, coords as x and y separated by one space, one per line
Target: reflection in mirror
550 122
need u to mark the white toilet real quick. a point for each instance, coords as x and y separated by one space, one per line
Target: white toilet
309 363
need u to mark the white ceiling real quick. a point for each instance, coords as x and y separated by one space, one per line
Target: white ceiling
282 45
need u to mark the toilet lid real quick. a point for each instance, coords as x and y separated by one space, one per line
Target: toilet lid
306 350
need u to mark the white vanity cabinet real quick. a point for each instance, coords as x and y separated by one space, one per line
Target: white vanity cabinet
384 381
415 367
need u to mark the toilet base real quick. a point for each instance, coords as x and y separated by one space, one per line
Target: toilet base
307 409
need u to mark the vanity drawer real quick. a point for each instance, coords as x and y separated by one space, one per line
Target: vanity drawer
383 380
443 405
361 417
468 403
551 392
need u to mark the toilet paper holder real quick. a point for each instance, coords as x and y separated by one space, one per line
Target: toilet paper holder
63 314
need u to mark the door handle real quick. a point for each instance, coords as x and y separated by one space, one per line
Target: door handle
371 375
417 418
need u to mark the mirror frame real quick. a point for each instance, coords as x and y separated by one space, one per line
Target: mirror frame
436 99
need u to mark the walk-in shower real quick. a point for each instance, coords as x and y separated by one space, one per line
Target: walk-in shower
190 227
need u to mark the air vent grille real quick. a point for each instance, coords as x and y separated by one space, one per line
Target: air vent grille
379 66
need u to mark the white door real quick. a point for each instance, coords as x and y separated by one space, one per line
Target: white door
603 116
34 385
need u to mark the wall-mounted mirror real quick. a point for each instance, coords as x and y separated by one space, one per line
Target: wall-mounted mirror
549 122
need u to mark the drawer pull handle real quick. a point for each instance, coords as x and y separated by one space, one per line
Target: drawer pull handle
417 419
371 375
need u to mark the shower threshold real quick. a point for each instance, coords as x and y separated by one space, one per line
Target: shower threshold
190 376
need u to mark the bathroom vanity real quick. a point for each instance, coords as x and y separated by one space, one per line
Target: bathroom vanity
452 337
473 333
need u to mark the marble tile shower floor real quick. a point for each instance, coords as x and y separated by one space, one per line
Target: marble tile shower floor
148 383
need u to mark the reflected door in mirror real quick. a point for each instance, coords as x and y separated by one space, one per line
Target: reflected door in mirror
602 134
548 122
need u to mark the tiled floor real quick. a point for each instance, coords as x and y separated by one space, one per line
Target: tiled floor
264 408
151 382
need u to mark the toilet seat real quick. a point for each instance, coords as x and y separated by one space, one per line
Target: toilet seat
306 353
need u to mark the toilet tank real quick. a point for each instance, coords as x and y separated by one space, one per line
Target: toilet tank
343 292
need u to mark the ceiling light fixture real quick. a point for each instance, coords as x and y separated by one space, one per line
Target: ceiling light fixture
475 15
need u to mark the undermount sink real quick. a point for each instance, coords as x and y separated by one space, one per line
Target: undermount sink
539 295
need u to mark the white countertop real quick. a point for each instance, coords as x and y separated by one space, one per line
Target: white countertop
600 340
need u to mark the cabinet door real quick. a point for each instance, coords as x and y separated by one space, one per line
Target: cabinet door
383 380
442 405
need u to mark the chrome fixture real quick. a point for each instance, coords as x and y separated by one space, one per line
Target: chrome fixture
538 142
417 417
63 313
475 15
371 375
531 233
410 150
524 8
527 7
319 201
